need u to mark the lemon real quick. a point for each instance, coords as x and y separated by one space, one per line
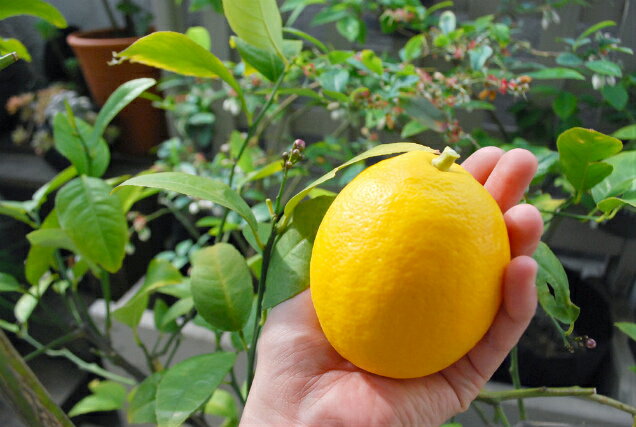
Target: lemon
407 266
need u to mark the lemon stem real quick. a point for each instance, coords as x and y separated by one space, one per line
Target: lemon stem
445 160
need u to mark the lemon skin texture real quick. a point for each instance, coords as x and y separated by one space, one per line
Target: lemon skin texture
407 266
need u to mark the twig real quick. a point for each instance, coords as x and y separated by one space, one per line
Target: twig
516 380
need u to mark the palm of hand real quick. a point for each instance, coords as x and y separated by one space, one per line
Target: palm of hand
301 379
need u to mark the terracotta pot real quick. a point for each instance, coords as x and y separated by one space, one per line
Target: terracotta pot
142 126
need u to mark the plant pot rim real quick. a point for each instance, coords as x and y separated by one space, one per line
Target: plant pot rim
98 37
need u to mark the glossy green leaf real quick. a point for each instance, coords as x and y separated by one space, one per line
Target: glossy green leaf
351 28
334 80
569 59
55 238
223 404
17 211
201 36
40 196
142 400
14 45
627 328
26 303
581 151
159 311
38 8
307 37
605 67
380 150
412 128
257 22
370 60
221 286
556 74
197 186
413 49
422 110
40 258
264 61
596 27
288 273
178 309
8 283
94 220
117 101
564 105
178 53
267 170
626 133
616 96
73 139
160 273
107 396
552 286
619 188
188 385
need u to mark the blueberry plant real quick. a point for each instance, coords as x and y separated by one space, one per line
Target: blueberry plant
250 226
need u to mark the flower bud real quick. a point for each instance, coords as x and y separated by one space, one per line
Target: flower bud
299 144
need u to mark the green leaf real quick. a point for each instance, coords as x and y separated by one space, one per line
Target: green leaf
350 28
90 157
616 96
564 105
627 133
569 59
17 211
222 404
107 396
40 196
40 258
604 67
596 27
556 73
288 273
479 56
581 151
178 309
37 8
142 403
200 36
447 22
14 45
117 101
627 328
197 186
178 53
264 61
55 238
413 48
267 170
311 39
551 277
94 220
412 128
619 188
422 110
186 386
257 22
334 80
380 150
8 283
222 286
162 323
371 61
160 273
26 303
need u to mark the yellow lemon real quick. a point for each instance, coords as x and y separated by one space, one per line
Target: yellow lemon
407 266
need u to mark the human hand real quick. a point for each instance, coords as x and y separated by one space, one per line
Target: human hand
301 380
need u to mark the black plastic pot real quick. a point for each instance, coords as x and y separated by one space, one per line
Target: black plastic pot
544 360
